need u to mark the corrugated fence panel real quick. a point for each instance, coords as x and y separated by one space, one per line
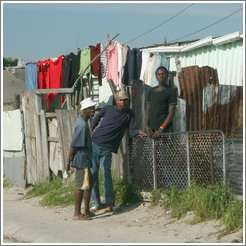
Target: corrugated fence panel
211 106
192 80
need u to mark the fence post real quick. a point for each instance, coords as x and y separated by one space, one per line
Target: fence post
211 165
224 164
155 172
188 157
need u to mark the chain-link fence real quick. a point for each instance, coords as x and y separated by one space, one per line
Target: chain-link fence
175 159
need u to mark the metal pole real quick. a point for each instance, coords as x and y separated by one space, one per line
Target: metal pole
155 172
211 165
188 157
224 164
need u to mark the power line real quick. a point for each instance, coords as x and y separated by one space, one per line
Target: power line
159 24
206 26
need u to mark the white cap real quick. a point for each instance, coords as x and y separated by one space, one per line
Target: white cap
87 103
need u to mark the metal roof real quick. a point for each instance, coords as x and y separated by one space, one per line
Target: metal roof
224 54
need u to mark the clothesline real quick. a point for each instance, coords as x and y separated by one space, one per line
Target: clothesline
118 62
109 41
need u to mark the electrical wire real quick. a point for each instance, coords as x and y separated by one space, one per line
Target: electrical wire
159 24
206 26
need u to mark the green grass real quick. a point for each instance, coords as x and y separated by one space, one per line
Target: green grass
233 218
211 202
207 203
156 195
55 193
6 183
123 190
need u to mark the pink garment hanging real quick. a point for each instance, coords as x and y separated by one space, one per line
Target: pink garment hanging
112 69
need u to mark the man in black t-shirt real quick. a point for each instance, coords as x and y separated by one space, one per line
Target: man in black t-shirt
161 104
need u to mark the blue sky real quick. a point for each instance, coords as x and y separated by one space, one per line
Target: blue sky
41 30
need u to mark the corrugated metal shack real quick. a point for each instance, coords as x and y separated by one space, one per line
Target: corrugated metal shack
209 76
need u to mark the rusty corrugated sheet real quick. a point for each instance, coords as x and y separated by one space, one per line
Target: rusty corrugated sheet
192 80
223 109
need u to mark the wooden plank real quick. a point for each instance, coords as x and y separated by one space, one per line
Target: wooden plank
28 99
39 147
38 103
69 101
60 90
53 139
66 121
39 172
112 87
60 125
31 161
45 153
28 105
54 148
50 114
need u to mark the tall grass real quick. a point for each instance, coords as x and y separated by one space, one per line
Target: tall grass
6 183
123 190
55 193
211 202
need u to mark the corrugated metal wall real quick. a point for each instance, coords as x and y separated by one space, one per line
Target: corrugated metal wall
226 58
210 106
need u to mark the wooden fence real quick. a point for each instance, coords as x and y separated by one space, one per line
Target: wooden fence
39 138
48 136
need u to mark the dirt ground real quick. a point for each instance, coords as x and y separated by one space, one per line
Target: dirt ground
25 221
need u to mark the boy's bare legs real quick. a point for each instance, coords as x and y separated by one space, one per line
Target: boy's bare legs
87 197
78 201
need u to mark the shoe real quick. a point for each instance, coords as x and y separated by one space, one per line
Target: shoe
110 208
94 209
113 208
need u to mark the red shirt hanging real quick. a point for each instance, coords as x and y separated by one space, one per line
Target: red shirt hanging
96 68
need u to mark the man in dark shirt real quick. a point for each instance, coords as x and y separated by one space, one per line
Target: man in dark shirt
161 104
106 138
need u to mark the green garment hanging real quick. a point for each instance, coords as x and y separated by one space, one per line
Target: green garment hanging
85 59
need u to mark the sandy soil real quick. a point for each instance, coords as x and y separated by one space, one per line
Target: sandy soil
26 221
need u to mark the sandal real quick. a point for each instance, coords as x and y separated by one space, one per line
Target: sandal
90 214
82 217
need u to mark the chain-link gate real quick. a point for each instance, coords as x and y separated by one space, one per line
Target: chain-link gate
175 159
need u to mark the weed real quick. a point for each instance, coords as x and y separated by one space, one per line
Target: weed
55 193
42 188
6 183
124 192
63 196
233 218
211 202
155 197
